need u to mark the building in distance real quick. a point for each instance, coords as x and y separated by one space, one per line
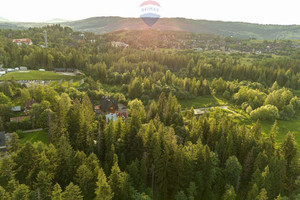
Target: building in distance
22 41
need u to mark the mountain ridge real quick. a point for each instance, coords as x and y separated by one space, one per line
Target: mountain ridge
102 25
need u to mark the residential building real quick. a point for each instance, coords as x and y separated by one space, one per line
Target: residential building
16 109
23 68
22 41
119 44
111 117
19 119
108 105
28 104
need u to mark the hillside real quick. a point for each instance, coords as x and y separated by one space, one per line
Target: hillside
102 25
3 19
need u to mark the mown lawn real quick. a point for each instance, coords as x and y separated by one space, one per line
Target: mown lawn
36 75
34 137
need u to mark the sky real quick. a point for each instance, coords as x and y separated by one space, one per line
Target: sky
254 11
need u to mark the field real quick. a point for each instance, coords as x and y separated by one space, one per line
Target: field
36 75
34 137
292 125
297 93
201 102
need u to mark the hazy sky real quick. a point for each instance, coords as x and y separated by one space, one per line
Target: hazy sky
257 11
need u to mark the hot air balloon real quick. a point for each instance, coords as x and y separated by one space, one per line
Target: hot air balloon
150 12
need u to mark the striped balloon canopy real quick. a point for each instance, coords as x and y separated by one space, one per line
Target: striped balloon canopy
150 12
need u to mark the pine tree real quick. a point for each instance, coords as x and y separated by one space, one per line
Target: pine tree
75 123
26 160
64 168
262 195
43 185
56 192
119 182
180 196
289 151
3 194
88 125
14 144
6 171
103 190
60 124
72 192
229 193
253 193
233 170
21 192
84 178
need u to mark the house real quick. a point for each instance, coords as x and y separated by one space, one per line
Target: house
2 138
19 119
111 117
22 41
97 110
10 70
28 104
2 141
105 105
201 111
119 44
122 111
108 105
23 68
2 73
16 109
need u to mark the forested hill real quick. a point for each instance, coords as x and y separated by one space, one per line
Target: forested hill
100 25
237 29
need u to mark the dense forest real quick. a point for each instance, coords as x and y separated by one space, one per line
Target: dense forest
160 151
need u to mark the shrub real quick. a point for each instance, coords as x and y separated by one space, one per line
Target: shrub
267 112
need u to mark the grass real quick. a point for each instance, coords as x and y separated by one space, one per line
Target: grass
201 102
292 125
111 88
34 137
284 126
297 93
36 75
242 117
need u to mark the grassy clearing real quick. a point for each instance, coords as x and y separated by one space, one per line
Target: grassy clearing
111 88
34 137
292 125
202 102
36 75
242 117
297 93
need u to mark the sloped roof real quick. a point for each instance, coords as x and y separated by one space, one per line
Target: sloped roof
2 138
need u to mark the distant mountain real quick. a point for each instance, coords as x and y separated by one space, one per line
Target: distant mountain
57 20
3 19
102 25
